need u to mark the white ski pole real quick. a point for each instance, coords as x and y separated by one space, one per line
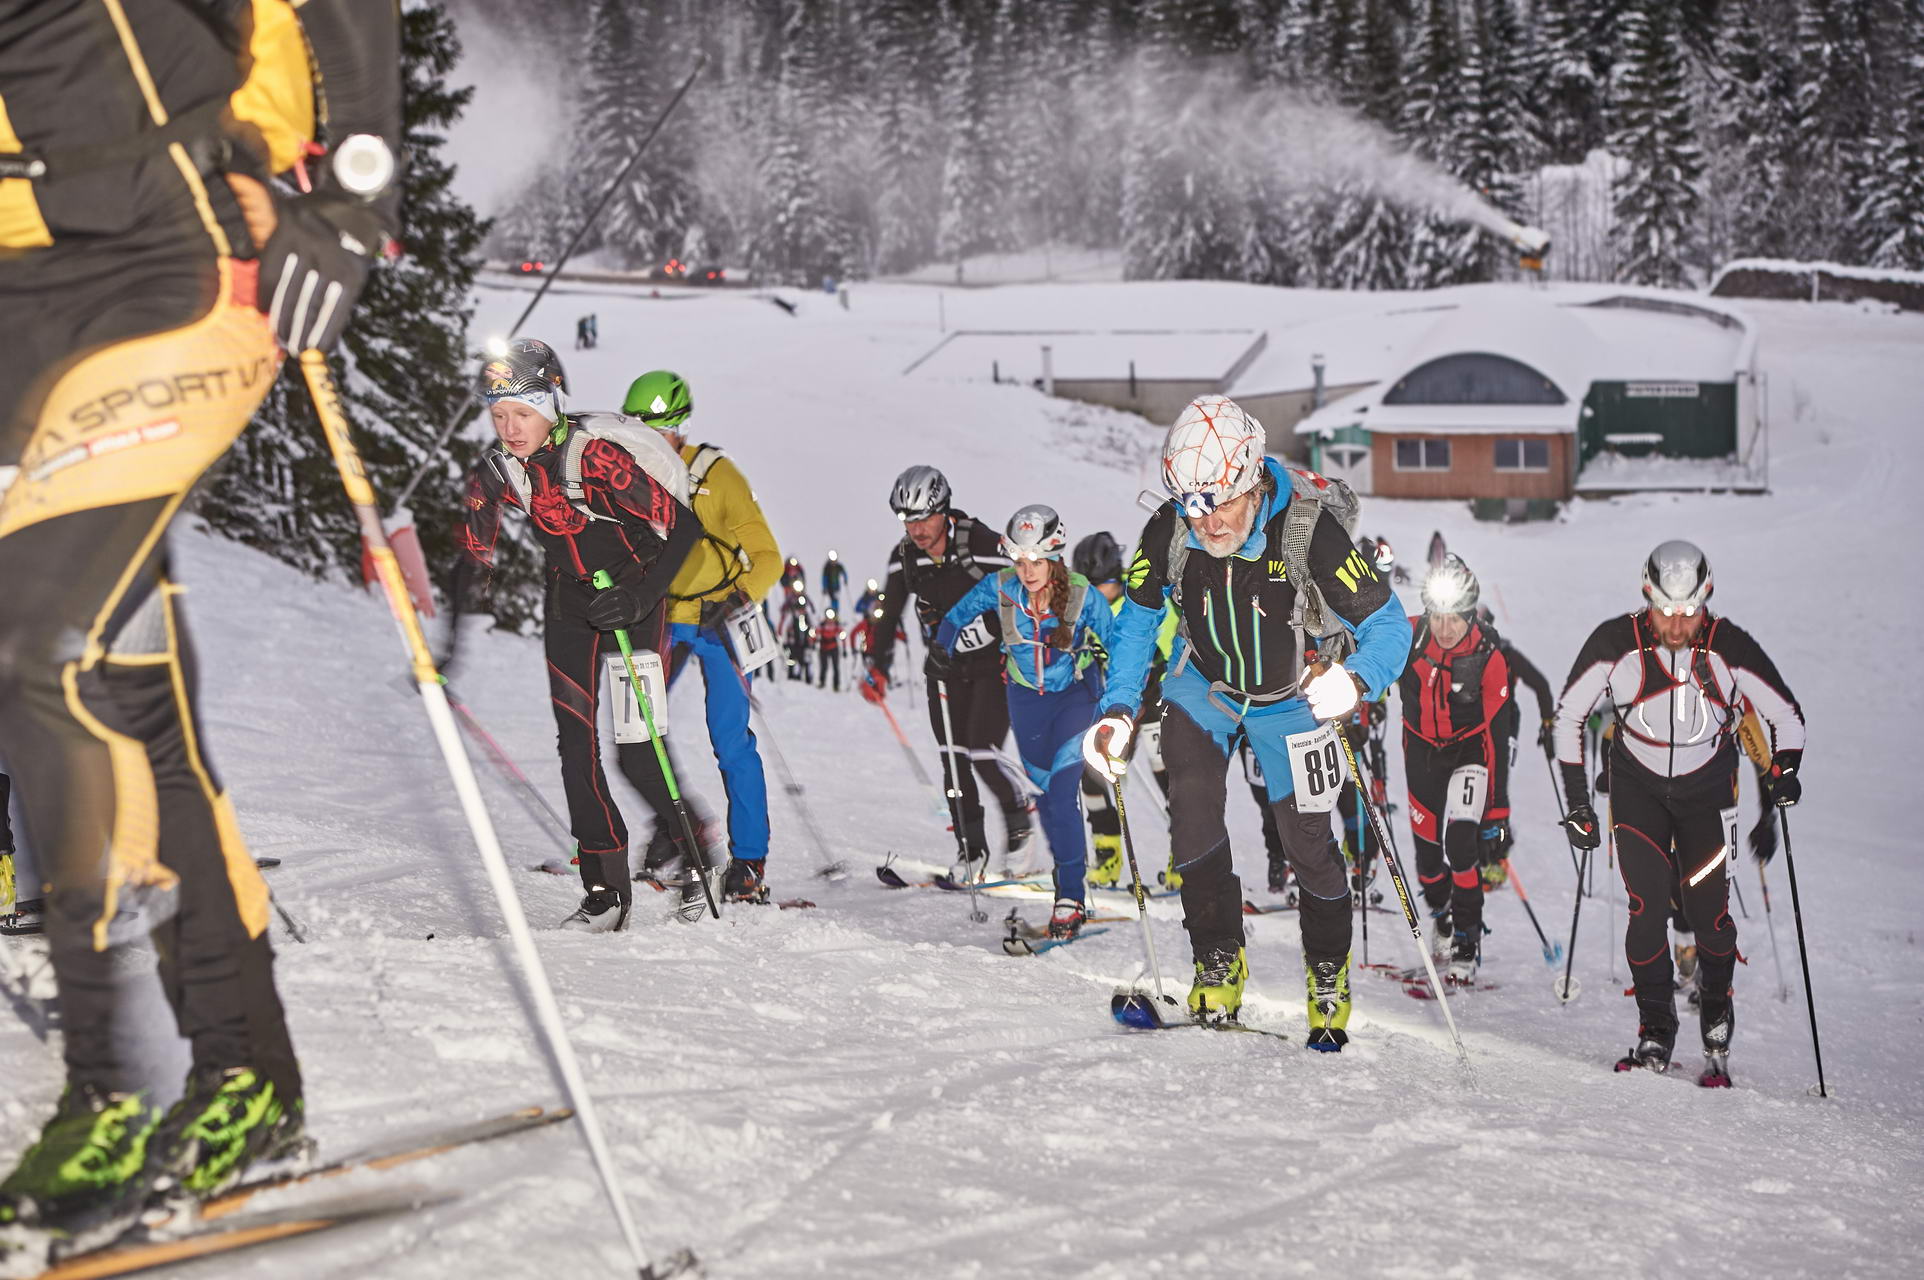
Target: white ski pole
434 698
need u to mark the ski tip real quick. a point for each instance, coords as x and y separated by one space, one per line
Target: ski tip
1136 1009
1017 947
682 1262
890 878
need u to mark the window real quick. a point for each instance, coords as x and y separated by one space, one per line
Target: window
1422 455
1474 378
1532 453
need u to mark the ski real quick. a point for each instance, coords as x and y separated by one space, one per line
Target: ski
962 886
245 1231
267 863
1254 908
1021 946
1024 929
1416 983
1716 1072
1137 1011
388 1154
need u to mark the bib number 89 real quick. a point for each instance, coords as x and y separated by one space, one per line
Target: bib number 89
1316 767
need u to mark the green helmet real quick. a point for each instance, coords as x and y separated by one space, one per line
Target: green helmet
659 398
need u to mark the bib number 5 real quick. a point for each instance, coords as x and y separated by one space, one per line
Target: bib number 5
1464 800
1316 767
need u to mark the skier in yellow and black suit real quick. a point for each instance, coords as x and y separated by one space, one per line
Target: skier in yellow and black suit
139 248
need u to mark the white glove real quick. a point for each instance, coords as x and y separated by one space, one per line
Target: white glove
1331 694
1106 745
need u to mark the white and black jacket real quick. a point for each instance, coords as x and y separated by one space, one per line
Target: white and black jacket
1676 710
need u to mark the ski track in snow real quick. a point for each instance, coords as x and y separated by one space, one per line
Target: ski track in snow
874 1089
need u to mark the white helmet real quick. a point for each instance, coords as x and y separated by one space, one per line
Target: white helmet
1035 532
1450 587
1212 454
919 492
1676 578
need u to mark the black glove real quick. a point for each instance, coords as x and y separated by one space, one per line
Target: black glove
1581 826
1495 840
616 609
1785 789
1543 736
313 266
940 664
1763 836
717 611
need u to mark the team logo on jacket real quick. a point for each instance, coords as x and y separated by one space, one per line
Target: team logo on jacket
1354 571
1279 571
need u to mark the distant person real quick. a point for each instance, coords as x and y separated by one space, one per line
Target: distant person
834 579
828 642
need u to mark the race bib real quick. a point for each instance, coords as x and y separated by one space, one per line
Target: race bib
1316 767
753 640
977 635
1729 817
630 725
1149 742
1468 788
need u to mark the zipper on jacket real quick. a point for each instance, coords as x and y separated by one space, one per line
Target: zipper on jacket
1229 606
1256 632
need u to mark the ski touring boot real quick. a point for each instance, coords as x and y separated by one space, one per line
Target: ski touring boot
1442 934
227 1119
745 881
1217 993
85 1180
1464 958
602 910
1494 874
27 917
1719 1022
1652 1050
696 888
659 862
1171 879
1689 979
1105 869
1279 874
1066 920
971 865
1328 984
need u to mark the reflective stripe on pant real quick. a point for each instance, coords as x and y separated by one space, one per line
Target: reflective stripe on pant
575 654
97 689
725 701
1667 835
980 715
1048 734
1198 761
1446 860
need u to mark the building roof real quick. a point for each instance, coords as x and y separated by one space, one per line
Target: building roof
1199 355
1572 337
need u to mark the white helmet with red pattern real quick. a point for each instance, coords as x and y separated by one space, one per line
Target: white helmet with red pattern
1213 453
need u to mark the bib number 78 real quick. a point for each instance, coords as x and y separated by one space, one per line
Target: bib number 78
1316 767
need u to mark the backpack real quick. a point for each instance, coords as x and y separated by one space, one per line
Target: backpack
652 453
1310 496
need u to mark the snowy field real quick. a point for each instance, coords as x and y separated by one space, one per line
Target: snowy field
872 1089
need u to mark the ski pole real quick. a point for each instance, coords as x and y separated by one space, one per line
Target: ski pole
1610 882
548 279
915 763
832 868
1556 793
360 494
952 772
1739 888
602 581
1783 988
1552 952
1803 955
1381 830
1567 988
507 765
1142 895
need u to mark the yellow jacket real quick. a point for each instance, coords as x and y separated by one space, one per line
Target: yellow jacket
737 530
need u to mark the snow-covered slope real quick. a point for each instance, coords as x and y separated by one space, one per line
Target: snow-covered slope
872 1088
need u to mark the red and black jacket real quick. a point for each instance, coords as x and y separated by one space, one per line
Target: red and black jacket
1450 698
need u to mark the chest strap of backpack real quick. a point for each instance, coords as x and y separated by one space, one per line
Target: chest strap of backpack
706 456
1013 639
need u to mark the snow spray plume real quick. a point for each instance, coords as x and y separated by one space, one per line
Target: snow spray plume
1304 145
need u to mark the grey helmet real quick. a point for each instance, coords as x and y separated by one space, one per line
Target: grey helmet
1450 587
919 492
1035 532
1676 578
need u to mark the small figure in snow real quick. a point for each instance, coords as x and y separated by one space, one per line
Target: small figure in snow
1271 594
943 553
828 643
1679 677
834 579
1053 631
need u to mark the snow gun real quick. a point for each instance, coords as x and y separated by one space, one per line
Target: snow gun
1534 241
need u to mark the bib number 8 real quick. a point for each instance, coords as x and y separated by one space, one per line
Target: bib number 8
1316 767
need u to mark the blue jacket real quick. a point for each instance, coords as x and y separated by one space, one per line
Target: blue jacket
1237 610
1031 662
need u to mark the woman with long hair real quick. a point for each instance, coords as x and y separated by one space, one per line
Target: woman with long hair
1054 629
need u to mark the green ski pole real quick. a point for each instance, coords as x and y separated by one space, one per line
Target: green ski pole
602 582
